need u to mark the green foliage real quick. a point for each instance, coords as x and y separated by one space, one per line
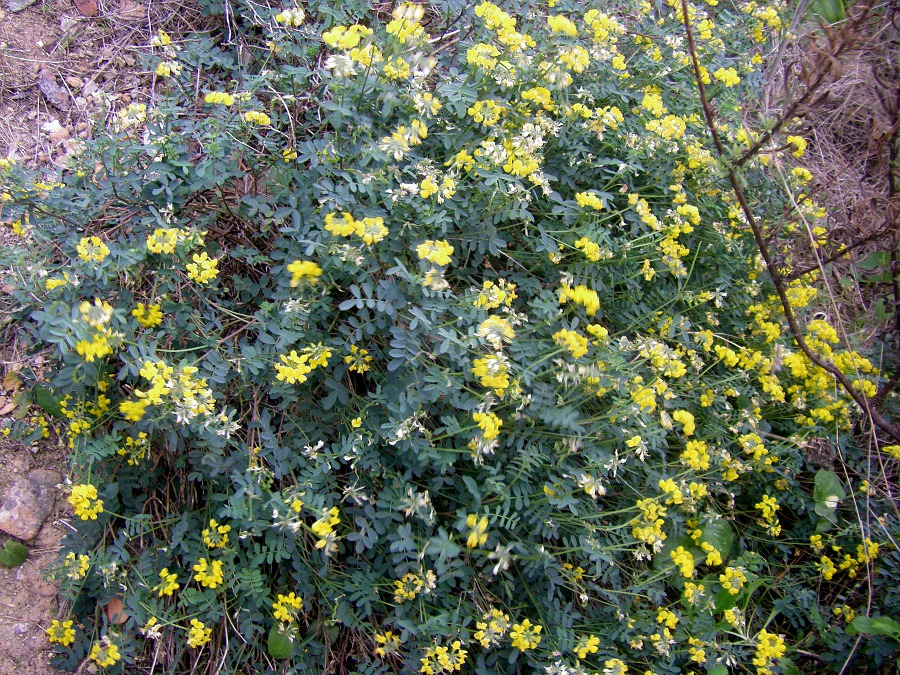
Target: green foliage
381 353
13 554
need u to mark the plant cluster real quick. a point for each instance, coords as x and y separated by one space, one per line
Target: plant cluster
437 342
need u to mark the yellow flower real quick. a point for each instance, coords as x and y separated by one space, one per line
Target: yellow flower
148 316
286 607
798 143
437 252
304 271
727 76
358 359
168 69
525 636
561 24
92 249
104 653
168 584
209 574
388 644
199 634
687 420
215 536
477 530
293 17
587 645
61 633
489 424
83 499
589 199
204 269
732 580
408 587
219 98
257 118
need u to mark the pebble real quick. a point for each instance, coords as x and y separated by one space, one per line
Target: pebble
74 82
19 5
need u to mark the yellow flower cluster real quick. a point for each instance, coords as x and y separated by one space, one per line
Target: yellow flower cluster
573 341
149 316
304 271
440 659
92 249
199 634
104 653
323 528
477 530
257 117
294 367
203 269
61 633
769 648
684 561
215 536
492 628
209 573
168 583
358 359
647 528
562 24
580 295
525 636
436 252
84 501
727 76
733 580
286 607
342 37
408 587
489 424
219 98
388 644
768 518
587 644
589 199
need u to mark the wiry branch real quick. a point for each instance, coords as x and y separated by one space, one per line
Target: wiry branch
777 279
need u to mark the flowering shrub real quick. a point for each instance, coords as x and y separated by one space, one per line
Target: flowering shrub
452 353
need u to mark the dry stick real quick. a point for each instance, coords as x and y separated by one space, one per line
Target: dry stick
774 273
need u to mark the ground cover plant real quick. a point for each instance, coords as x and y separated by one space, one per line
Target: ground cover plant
436 338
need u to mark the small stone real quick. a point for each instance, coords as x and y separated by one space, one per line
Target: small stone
21 628
19 5
28 504
55 95
74 82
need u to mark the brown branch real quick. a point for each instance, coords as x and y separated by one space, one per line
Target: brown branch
774 273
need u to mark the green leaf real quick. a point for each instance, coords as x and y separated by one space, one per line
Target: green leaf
13 554
788 667
718 534
48 402
882 625
828 489
718 669
831 11
280 645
